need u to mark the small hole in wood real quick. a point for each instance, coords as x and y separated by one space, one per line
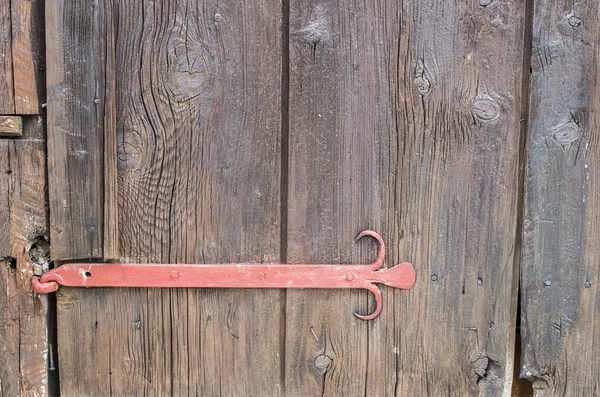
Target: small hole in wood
11 264
87 274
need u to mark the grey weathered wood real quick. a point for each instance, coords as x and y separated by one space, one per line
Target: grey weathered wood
404 118
561 244
197 101
11 126
76 110
23 315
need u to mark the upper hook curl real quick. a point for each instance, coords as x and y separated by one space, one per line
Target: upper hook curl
380 253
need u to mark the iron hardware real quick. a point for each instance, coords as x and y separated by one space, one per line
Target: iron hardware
242 275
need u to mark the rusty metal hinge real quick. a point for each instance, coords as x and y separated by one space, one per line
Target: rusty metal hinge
243 275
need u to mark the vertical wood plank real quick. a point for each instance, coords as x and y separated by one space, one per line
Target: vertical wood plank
27 38
404 118
23 314
561 245
7 94
198 153
75 114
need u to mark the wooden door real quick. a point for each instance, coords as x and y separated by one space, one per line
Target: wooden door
207 132
274 131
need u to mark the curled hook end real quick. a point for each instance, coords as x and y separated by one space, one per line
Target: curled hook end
378 304
380 253
43 287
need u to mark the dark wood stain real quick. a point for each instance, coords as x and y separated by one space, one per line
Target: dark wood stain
404 118
561 249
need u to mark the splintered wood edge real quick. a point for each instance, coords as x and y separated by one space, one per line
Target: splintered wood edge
11 126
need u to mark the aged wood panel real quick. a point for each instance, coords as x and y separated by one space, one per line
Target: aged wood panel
76 59
27 56
23 315
11 126
20 43
7 93
197 116
561 258
404 118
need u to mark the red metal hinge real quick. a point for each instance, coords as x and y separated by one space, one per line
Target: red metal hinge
243 275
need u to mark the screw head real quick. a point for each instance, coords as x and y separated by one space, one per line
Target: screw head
434 277
588 284
548 283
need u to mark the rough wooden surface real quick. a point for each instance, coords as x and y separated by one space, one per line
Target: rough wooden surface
27 41
20 42
198 141
75 115
7 93
11 126
561 260
404 118
23 315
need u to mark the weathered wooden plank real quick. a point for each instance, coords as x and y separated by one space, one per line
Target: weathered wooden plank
561 245
23 315
404 118
7 94
75 111
198 153
11 126
27 57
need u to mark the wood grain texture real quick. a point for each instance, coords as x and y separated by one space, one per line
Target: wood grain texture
27 56
198 87
561 257
21 39
76 60
404 118
7 92
23 315
11 126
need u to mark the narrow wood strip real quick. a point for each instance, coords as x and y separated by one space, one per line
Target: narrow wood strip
75 82
7 94
561 236
27 40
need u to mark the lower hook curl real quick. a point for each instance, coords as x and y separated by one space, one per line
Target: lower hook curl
378 304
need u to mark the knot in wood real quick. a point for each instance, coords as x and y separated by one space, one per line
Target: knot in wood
323 362
423 85
485 109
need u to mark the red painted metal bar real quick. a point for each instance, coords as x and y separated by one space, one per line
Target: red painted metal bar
244 275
